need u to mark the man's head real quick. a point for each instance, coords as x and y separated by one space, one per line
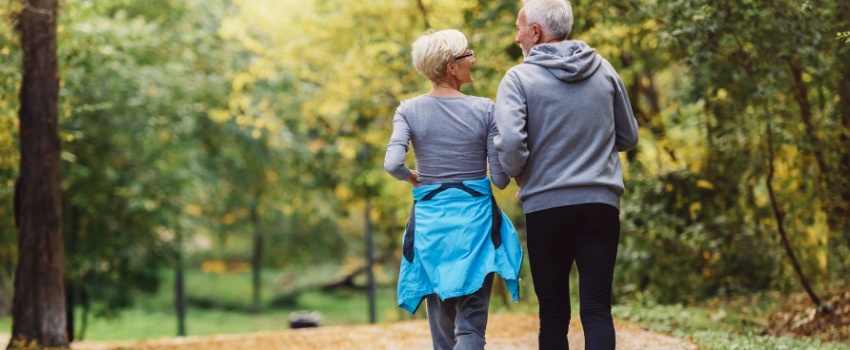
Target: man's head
541 21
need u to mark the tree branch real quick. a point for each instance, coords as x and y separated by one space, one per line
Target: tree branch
424 14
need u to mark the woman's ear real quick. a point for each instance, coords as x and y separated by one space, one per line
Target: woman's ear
450 68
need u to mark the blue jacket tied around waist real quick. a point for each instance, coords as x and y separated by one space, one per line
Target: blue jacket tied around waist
456 235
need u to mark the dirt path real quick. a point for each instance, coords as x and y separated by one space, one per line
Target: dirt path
505 331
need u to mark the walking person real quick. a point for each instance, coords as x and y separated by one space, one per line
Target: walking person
563 114
456 237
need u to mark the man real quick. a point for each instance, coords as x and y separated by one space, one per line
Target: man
563 114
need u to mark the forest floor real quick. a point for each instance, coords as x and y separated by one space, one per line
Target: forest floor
793 315
504 331
799 317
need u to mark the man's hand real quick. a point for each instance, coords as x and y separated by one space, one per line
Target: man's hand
518 180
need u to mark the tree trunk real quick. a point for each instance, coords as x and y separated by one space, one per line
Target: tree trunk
742 61
180 288
370 272
257 258
38 311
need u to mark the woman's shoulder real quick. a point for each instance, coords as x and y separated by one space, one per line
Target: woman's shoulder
481 100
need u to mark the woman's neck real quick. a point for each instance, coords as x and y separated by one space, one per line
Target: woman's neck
446 89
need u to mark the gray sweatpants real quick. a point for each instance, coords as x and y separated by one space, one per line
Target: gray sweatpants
459 323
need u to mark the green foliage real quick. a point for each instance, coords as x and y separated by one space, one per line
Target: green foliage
10 79
722 327
194 125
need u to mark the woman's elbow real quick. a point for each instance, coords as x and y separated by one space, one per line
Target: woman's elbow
395 170
501 182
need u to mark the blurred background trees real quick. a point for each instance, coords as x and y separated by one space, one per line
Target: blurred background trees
252 133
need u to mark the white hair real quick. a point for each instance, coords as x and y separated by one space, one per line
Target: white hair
433 50
554 16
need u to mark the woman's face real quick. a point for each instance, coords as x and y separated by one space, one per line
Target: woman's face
464 66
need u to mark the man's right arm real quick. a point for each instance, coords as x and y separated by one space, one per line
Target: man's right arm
510 117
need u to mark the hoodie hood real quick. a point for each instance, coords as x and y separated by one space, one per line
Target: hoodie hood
569 61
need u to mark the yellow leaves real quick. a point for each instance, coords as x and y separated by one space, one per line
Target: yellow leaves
164 135
193 210
650 24
721 94
231 217
343 192
240 81
271 175
705 184
214 266
287 209
694 209
234 28
348 151
374 214
228 219
219 115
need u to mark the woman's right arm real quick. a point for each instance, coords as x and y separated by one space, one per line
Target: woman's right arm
397 148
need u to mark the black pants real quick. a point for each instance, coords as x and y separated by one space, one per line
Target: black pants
586 234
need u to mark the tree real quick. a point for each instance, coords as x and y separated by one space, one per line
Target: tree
39 303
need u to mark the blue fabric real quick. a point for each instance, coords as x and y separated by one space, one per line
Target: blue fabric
453 246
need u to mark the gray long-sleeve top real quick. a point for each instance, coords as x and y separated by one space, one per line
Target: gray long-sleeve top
563 114
452 140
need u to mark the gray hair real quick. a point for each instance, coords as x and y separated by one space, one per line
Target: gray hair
433 50
554 16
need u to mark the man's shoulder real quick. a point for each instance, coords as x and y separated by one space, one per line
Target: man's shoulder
522 71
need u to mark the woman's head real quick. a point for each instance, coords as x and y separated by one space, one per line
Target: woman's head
434 51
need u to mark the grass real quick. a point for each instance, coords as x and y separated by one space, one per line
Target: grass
153 316
723 325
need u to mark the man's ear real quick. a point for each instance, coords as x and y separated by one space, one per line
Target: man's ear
537 33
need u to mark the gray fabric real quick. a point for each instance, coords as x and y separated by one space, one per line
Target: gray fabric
452 140
563 114
460 323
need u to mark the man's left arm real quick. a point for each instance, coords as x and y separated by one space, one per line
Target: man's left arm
625 125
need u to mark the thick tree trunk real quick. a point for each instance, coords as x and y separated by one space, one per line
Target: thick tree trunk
38 312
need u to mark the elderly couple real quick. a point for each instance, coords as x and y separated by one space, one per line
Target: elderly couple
559 119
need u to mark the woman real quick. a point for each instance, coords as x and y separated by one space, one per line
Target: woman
456 237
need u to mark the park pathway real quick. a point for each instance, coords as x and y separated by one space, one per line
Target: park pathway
504 332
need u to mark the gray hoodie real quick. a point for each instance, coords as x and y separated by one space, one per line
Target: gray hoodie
563 114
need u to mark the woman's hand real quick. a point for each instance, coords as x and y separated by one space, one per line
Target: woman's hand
413 178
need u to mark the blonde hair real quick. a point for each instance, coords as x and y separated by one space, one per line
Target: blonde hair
433 50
